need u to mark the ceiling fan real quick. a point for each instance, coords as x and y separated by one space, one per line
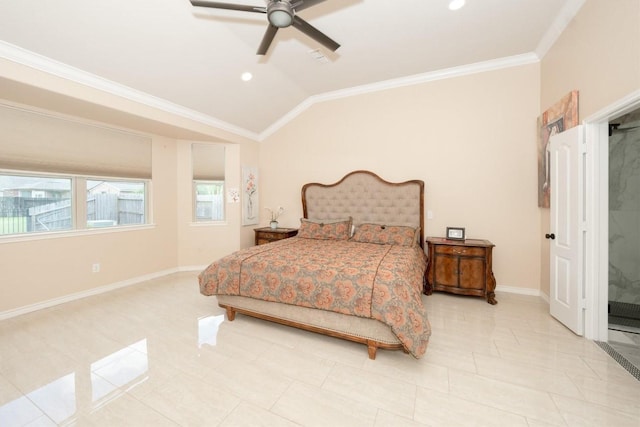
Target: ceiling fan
280 14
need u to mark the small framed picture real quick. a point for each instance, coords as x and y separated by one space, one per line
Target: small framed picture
455 233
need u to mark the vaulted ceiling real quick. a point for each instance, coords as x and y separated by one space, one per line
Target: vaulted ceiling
191 58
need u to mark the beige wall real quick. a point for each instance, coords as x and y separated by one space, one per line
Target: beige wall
599 55
40 270
35 272
472 139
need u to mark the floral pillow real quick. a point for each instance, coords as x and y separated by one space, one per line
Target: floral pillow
387 234
330 229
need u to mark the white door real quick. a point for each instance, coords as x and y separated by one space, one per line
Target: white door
567 161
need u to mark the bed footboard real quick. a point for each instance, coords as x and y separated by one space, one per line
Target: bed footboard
373 333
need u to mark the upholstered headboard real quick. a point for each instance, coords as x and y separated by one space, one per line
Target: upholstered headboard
367 198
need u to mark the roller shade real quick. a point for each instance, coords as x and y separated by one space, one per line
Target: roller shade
207 162
33 141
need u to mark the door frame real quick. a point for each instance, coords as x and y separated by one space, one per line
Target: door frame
597 209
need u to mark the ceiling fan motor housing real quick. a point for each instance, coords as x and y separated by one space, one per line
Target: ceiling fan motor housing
280 13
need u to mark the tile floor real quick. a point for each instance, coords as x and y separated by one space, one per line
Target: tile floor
159 353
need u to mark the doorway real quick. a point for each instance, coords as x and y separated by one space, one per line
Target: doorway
596 181
623 305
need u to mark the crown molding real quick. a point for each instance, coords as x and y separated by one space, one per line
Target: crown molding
564 17
47 65
447 73
39 62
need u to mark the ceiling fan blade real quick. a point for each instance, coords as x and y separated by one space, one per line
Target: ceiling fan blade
307 4
229 6
267 39
314 33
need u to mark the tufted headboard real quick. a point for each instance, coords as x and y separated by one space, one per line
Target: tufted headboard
367 198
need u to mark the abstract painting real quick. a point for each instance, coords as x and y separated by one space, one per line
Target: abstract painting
561 116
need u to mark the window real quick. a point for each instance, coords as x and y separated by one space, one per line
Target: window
209 200
208 181
59 173
34 203
114 202
40 203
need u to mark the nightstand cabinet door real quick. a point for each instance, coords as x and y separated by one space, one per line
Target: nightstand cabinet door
472 273
446 270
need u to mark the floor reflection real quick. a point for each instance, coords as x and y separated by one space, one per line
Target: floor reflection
208 329
126 367
62 399
103 381
57 399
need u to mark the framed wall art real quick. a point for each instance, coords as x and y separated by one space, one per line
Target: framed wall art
250 209
561 116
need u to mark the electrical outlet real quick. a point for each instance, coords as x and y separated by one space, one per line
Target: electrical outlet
429 214
96 267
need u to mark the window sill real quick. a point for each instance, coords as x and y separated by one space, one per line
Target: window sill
72 233
208 223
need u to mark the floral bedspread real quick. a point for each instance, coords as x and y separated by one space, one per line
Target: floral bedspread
382 282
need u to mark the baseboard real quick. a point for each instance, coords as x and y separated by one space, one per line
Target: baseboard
79 295
192 268
521 291
544 297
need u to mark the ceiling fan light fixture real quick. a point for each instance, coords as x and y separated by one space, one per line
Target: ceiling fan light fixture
280 14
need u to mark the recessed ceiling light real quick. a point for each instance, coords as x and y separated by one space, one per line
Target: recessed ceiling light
456 4
246 76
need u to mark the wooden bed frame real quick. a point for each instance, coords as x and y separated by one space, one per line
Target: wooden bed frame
366 198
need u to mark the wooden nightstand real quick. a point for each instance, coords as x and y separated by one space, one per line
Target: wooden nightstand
268 234
461 267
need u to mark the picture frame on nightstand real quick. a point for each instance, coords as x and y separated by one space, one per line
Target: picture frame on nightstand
455 233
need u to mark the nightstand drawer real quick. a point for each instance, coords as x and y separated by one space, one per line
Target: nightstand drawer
460 250
268 234
272 236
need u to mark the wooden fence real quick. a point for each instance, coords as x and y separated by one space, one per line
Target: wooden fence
49 217
22 215
210 207
115 209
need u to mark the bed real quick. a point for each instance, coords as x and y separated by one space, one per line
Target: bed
355 271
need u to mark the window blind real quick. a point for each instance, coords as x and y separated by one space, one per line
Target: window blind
207 162
34 141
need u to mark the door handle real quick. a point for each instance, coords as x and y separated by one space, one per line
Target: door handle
550 236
